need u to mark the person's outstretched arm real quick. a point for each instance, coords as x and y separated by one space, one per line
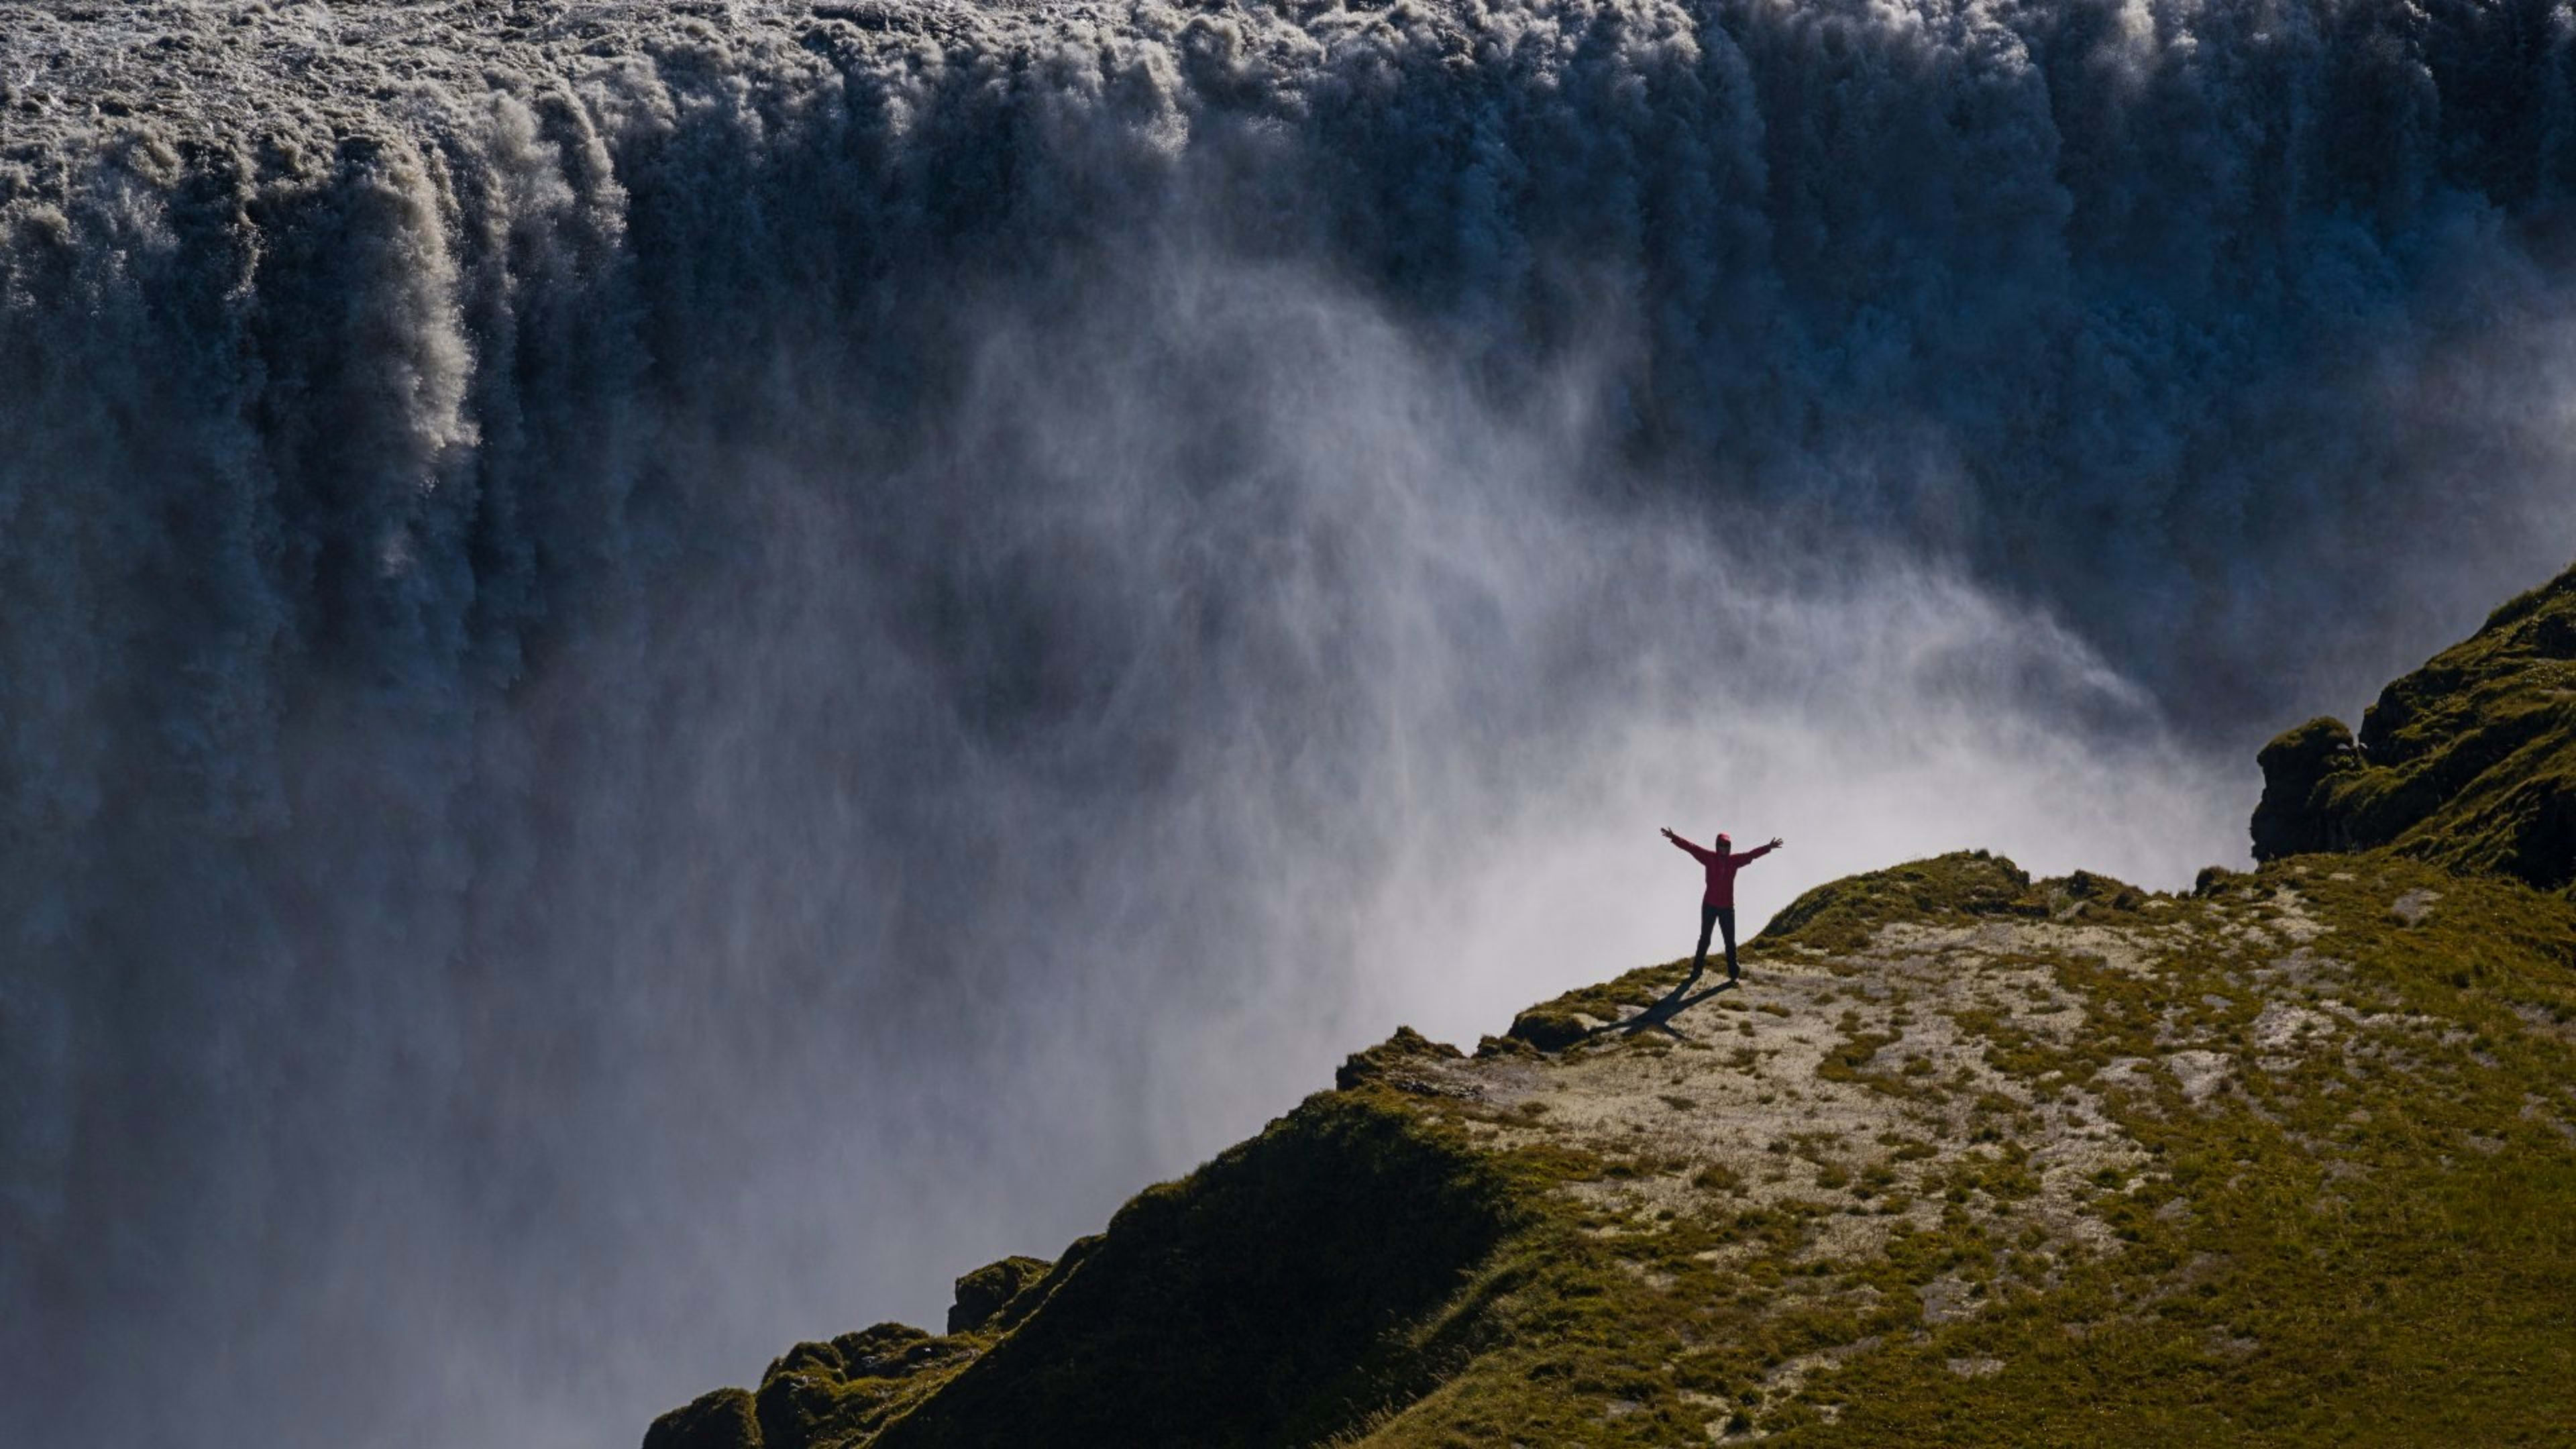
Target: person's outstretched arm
1759 851
1695 852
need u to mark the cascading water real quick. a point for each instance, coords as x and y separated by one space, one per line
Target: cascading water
667 672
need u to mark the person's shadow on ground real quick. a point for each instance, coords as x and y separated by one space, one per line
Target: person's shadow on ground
1659 1016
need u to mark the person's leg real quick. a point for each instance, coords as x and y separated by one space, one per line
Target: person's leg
1726 920
1707 918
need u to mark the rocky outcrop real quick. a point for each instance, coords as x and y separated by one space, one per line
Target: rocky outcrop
1397 1062
2296 815
997 1294
2469 762
1548 1028
1962 883
722 1419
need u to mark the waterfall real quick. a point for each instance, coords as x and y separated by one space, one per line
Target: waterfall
669 671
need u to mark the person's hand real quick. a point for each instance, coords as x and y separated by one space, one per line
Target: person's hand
1777 842
1668 832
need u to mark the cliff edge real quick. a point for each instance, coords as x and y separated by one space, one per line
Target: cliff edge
1968 1158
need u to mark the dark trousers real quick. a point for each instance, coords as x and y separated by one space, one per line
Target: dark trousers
1715 916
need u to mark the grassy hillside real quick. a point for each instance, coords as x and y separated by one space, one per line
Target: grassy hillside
1969 1158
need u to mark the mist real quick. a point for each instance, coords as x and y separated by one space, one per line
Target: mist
669 673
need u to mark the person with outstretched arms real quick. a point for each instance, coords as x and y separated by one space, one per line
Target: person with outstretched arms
1717 902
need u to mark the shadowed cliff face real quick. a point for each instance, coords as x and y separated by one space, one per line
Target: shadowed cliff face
631 632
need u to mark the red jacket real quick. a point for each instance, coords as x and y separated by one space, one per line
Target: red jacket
1721 870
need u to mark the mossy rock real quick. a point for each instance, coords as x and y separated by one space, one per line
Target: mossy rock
2468 762
1548 1028
824 1393
992 1293
1397 1062
811 1357
1844 914
2296 814
881 1350
2086 894
796 1407
722 1419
